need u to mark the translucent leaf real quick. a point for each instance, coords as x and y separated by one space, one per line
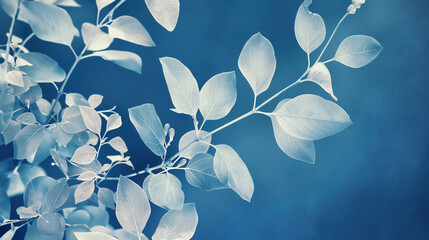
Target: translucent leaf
103 3
113 122
51 223
95 38
130 29
4 205
295 148
72 121
27 141
27 118
182 86
357 51
165 12
48 22
118 144
43 69
310 30
91 119
257 62
26 213
132 206
60 161
33 233
232 171
84 191
36 190
121 234
12 129
218 96
311 117
128 60
177 224
200 173
19 179
9 234
84 155
57 195
93 236
76 99
146 185
319 74
105 196
196 147
149 127
166 191
95 100
44 149
14 77
87 176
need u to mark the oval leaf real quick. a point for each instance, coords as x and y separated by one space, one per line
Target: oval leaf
84 155
357 51
166 191
200 173
128 60
165 12
130 29
43 69
84 191
319 74
95 38
91 119
196 147
57 195
27 141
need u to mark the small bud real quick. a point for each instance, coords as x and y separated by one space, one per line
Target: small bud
171 133
166 128
351 9
358 3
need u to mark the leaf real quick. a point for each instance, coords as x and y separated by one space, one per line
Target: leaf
27 141
177 224
27 118
165 12
166 191
9 234
257 62
128 60
87 176
132 206
57 195
103 3
200 173
95 38
149 127
91 119
118 144
113 122
105 196
51 223
4 205
95 100
232 171
319 74
33 233
93 236
14 77
60 161
76 99
27 213
49 23
182 86
84 155
12 129
130 29
310 30
36 190
196 147
357 51
218 96
84 191
43 68
311 117
295 148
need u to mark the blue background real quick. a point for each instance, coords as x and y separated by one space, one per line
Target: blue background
369 181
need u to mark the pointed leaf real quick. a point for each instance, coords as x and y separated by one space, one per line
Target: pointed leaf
95 100
200 173
51 223
84 155
118 144
103 3
357 51
130 29
27 141
166 191
57 195
84 191
91 119
105 196
319 74
43 69
196 147
113 122
165 12
95 38
128 60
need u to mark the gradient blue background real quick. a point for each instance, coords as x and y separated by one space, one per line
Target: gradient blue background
370 181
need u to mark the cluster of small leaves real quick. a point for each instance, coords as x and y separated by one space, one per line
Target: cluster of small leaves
76 205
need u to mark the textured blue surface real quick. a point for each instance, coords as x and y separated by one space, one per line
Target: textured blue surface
369 182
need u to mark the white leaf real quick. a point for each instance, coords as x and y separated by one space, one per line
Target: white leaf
165 12
166 191
200 173
218 96
51 223
93 236
311 117
130 29
128 60
196 147
57 195
84 191
27 118
27 141
76 99
87 176
14 77
357 51
177 224
95 100
118 144
132 206
60 161
9 234
95 38
48 22
310 30
257 62
67 3
91 119
113 122
103 3
43 69
105 196
232 171
296 148
149 127
182 86
12 129
319 74
84 155
5 205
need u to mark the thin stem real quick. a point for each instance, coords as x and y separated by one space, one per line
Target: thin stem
111 12
9 38
332 35
147 170
25 42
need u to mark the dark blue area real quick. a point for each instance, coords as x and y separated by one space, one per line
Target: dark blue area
370 181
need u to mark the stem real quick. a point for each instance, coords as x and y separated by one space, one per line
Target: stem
147 170
111 12
9 38
25 42
332 35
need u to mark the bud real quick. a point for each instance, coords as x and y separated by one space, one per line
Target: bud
358 3
166 128
171 133
351 9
